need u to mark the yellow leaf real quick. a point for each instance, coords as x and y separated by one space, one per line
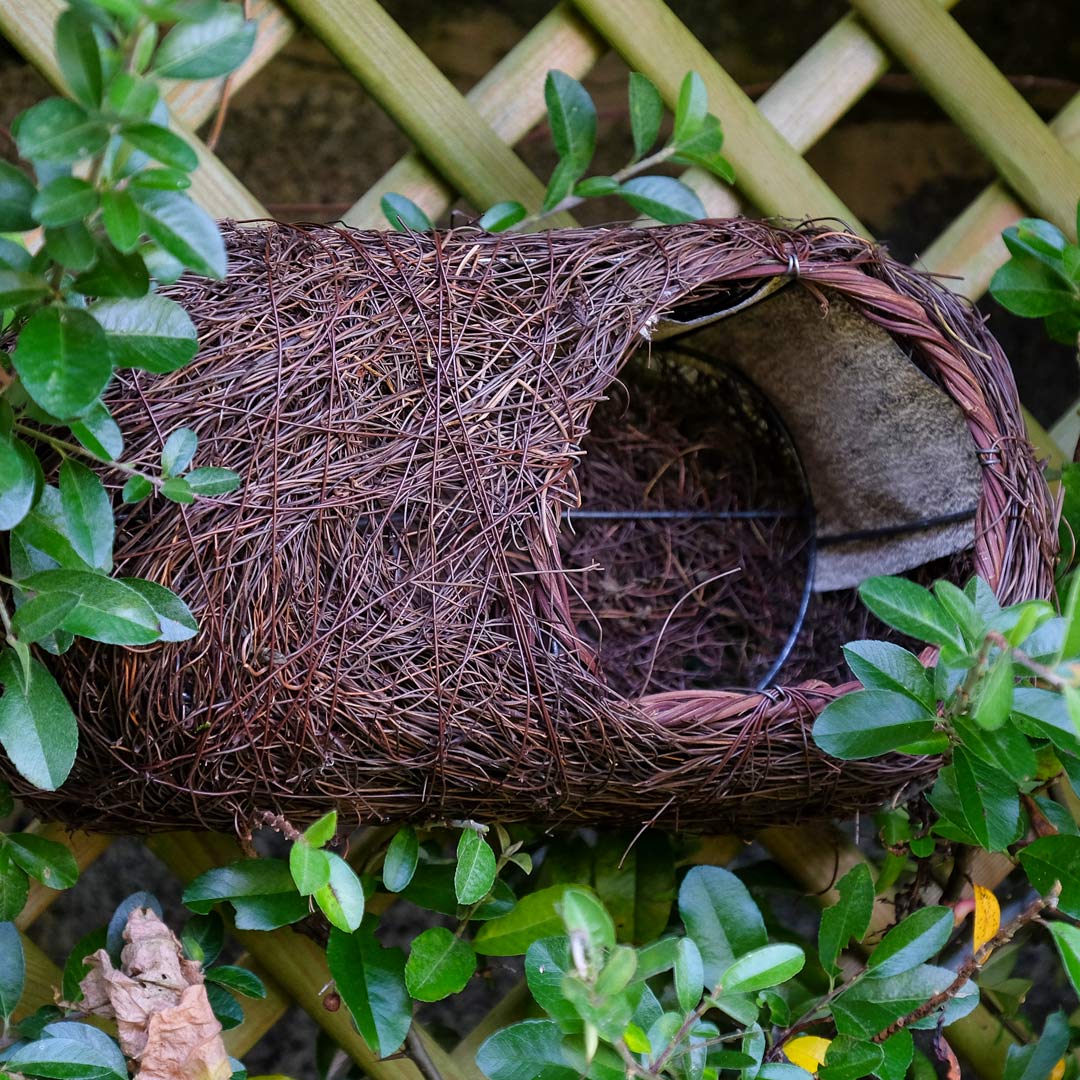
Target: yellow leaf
1058 1071
807 1051
987 916
636 1040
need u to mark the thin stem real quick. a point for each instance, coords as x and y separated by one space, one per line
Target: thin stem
420 1056
69 448
691 1019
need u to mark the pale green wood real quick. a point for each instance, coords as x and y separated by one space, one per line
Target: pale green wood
769 172
982 102
42 978
510 98
442 124
28 25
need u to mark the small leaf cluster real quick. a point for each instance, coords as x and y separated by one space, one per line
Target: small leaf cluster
696 139
1041 279
99 216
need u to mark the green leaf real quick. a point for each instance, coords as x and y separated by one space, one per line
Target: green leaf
561 184
206 48
88 516
646 113
546 962
49 862
849 1058
114 275
14 887
1028 287
594 186
1036 1061
401 858
309 866
210 480
13 256
1051 859
18 481
1005 748
767 966
871 1005
989 801
994 694
961 608
71 246
1040 236
179 449
120 216
692 107
58 130
160 180
246 877
371 981
63 201
17 287
883 665
533 917
403 214
16 195
636 883
176 489
867 723
662 197
237 978
918 938
136 488
502 216
79 58
203 937
225 1007
99 433
71 1059
721 917
1044 715
269 912
689 974
439 964
184 230
75 967
108 610
1067 939
849 918
62 359
132 98
911 609
37 727
321 832
572 118
162 145
584 915
528 1050
475 871
341 899
114 932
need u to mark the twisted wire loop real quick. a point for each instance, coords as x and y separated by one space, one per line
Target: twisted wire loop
392 612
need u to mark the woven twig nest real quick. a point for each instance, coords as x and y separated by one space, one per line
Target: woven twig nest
397 614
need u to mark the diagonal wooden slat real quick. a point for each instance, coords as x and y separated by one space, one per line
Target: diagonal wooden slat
445 127
772 175
509 97
982 102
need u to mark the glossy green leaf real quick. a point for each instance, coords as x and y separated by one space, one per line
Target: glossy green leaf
321 832
534 917
867 723
37 727
689 974
1050 859
594 186
502 216
884 665
162 145
341 899
153 333
849 918
439 965
64 200
88 516
115 275
99 433
49 862
14 887
1038 1060
528 1050
662 197
16 194
475 871
915 940
62 359
584 914
1028 287
401 858
646 113
911 609
114 932
203 937
79 57
17 287
18 481
371 981
270 912
1067 939
546 962
184 230
107 610
41 616
309 866
572 118
403 214
176 489
58 130
692 107
767 966
225 1007
179 449
849 1058
871 1005
237 978
993 698
989 801
120 216
71 246
136 488
721 917
206 48
211 480
67 1058
75 967
244 878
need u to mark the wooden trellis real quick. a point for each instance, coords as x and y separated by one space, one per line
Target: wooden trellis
464 148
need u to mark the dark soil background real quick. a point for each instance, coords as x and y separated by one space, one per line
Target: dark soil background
307 140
